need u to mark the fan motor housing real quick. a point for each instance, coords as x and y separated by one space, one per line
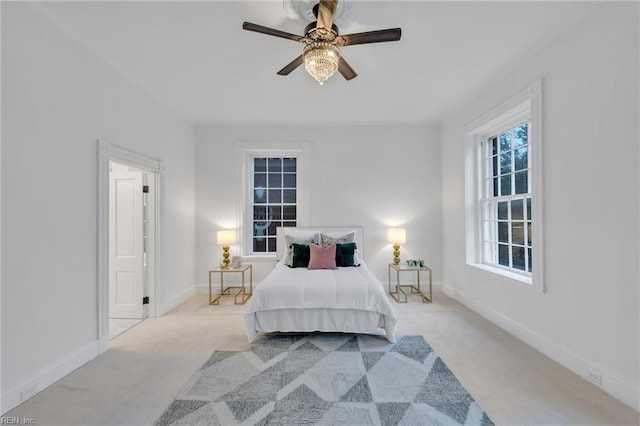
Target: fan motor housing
311 29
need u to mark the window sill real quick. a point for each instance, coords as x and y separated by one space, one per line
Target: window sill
519 278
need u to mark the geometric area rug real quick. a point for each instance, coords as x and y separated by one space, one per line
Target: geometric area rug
325 379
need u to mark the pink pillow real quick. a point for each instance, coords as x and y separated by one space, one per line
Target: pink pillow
322 257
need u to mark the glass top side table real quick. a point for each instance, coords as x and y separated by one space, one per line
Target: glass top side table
398 294
241 293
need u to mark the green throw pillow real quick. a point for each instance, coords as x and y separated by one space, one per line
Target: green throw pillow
301 255
346 254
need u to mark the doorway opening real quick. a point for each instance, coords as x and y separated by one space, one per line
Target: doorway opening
130 239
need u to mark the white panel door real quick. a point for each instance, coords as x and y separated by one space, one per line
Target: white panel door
126 264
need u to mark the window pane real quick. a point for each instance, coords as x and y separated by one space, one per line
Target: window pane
289 212
259 212
275 180
275 196
503 212
505 185
518 258
495 187
289 165
259 196
503 232
517 233
259 164
521 135
505 141
503 254
271 230
495 165
272 245
517 209
529 234
260 229
530 260
505 162
275 164
259 180
289 223
276 212
289 196
494 145
521 158
529 208
522 183
260 245
289 180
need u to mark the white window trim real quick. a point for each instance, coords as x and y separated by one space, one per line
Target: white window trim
244 153
527 102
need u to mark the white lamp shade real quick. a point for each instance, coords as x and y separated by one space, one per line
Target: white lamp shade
396 236
226 237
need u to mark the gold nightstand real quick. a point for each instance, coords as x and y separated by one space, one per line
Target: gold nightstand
226 291
399 295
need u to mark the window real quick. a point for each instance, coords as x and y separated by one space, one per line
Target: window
506 202
503 189
273 181
274 203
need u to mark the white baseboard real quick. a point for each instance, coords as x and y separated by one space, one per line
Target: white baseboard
610 384
202 289
176 300
48 375
65 365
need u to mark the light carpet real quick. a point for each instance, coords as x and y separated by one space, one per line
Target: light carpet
325 378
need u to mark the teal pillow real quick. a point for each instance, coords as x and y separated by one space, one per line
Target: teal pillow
300 255
346 254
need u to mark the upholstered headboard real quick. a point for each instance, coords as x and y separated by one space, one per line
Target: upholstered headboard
281 232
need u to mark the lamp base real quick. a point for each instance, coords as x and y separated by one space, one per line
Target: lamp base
225 257
396 254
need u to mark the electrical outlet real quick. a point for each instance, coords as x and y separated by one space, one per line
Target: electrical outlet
594 377
28 392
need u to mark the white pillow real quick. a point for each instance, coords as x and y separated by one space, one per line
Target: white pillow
338 237
342 237
295 236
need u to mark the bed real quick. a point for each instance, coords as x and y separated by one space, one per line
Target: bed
347 299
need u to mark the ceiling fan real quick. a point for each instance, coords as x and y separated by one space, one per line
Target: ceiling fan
321 54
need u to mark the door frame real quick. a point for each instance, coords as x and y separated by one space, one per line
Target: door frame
108 152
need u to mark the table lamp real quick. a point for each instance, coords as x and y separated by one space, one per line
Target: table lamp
396 236
224 238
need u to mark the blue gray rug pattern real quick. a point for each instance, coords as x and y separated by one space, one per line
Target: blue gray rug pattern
325 379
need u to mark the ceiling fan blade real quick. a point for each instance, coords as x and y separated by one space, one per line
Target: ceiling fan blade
291 66
392 34
345 69
269 31
325 13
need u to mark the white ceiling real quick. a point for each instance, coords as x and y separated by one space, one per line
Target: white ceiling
195 57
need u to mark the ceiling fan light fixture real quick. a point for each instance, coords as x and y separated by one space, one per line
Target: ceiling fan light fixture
321 60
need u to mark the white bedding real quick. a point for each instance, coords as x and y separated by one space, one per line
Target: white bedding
347 299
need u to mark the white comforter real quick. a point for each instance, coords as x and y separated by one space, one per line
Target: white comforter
352 289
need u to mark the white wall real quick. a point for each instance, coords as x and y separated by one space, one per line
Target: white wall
57 99
370 175
588 320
